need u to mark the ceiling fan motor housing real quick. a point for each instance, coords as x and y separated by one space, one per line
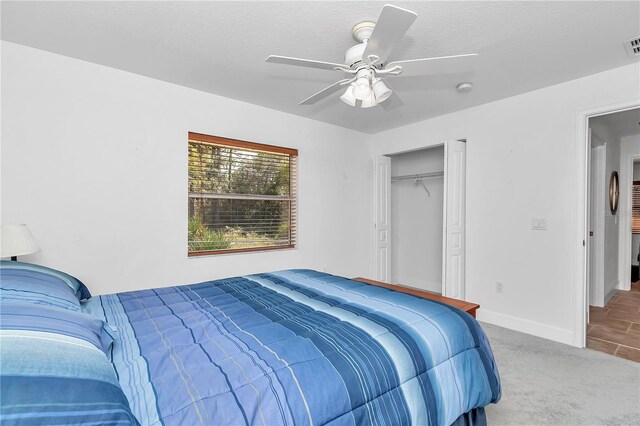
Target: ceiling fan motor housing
353 56
363 30
362 33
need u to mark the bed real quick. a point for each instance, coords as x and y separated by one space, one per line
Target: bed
295 347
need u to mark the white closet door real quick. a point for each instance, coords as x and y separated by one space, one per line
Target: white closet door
453 269
596 220
382 218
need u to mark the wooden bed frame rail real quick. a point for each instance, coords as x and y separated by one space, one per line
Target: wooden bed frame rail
468 307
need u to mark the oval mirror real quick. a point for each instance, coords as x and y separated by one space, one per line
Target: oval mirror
614 192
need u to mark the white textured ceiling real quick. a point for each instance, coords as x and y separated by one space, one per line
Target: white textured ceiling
220 47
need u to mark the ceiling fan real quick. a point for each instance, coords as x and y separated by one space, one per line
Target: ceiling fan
367 62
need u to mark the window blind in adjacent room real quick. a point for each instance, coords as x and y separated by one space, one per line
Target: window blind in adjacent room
635 209
242 196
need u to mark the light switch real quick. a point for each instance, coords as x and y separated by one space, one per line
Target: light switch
538 223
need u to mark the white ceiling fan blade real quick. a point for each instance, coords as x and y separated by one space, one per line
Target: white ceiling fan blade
392 25
309 63
325 92
431 66
393 102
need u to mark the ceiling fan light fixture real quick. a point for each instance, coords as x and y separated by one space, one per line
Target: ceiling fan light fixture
362 88
380 90
348 97
365 62
369 102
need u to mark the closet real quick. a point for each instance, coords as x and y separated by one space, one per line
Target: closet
416 212
419 218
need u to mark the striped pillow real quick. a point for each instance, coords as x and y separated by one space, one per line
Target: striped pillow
26 282
49 319
54 370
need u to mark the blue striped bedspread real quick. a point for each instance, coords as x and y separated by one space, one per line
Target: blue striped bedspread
296 347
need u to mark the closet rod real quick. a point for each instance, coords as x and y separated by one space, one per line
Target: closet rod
419 176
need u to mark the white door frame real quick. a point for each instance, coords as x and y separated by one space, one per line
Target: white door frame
595 244
581 167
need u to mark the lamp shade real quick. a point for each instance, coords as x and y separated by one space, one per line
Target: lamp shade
362 88
16 240
348 97
369 102
381 90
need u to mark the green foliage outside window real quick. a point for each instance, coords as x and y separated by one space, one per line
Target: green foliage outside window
238 198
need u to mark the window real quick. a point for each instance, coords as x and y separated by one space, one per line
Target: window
242 196
635 220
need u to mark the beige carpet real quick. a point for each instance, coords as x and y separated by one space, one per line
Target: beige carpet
548 383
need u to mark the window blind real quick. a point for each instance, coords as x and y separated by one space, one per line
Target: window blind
635 208
242 196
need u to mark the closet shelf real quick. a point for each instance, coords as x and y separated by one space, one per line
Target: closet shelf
420 176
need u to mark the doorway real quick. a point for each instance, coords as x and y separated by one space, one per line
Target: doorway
613 302
419 218
635 225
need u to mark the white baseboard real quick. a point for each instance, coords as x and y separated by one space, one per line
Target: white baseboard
545 331
620 286
609 295
418 284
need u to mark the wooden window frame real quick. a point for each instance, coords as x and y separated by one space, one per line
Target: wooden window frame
253 146
236 143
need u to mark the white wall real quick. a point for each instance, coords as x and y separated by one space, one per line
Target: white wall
521 164
416 221
612 227
94 160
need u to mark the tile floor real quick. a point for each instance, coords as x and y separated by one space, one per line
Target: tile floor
615 329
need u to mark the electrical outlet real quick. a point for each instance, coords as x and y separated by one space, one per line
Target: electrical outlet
538 223
499 287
